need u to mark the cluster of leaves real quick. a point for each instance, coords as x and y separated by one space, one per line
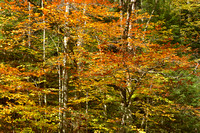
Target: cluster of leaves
19 110
179 19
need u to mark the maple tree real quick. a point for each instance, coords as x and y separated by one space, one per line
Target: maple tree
89 66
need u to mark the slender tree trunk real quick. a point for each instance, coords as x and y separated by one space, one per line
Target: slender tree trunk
65 93
147 24
65 76
128 19
44 52
133 6
147 115
29 26
86 110
59 94
127 34
127 115
121 16
123 119
44 32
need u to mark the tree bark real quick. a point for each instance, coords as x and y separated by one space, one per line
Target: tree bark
29 26
65 76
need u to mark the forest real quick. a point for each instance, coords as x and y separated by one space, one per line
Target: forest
99 66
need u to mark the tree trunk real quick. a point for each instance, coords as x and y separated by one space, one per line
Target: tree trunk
29 26
65 77
131 4
130 7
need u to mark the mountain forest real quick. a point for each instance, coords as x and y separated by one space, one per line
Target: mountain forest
99 66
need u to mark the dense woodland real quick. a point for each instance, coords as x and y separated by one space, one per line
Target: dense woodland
95 66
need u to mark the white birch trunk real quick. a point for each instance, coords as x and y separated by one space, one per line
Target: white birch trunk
147 24
121 17
59 86
44 52
130 24
65 77
29 26
130 45
44 32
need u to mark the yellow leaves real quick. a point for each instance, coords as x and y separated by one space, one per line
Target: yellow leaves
120 75
8 119
138 115
141 131
36 14
44 10
6 111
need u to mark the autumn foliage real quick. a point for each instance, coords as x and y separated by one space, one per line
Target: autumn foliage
89 66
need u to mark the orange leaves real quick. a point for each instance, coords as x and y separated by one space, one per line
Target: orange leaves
5 69
103 2
12 79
